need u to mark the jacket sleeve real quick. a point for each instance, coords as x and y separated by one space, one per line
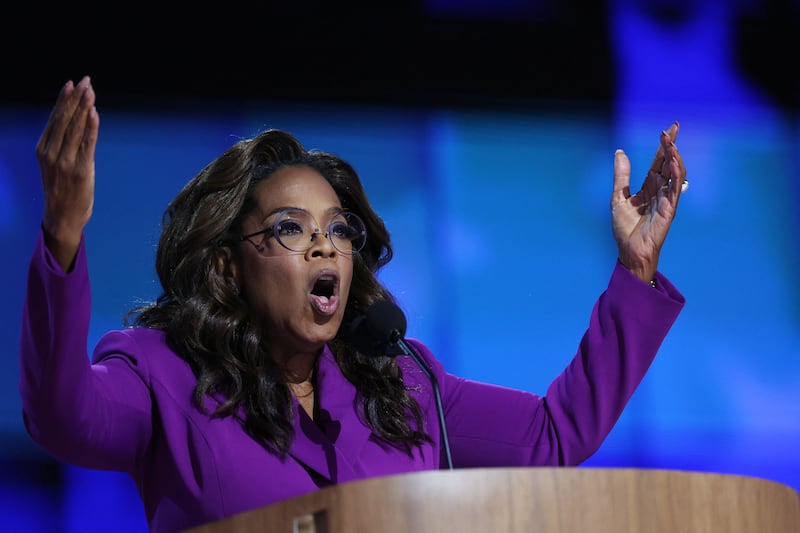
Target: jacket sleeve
490 425
89 415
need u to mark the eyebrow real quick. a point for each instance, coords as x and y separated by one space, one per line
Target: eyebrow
333 210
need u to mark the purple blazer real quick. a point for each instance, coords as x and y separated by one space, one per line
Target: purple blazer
128 408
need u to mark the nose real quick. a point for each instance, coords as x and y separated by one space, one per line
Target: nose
321 245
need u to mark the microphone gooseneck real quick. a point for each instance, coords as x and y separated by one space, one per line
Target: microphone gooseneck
381 332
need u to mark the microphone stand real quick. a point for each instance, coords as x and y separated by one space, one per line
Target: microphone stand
398 339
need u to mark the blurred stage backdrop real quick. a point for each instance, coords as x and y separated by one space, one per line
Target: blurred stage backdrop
484 132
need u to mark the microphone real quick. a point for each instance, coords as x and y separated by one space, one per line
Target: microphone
376 332
381 332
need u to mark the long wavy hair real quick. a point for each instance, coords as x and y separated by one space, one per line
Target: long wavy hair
209 324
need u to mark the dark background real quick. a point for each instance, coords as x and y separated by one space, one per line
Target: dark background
439 52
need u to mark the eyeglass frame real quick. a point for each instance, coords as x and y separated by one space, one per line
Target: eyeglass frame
317 231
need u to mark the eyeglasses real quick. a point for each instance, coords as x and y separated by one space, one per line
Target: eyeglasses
296 230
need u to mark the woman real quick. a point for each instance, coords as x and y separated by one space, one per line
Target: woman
238 388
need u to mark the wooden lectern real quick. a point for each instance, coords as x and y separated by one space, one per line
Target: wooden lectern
533 500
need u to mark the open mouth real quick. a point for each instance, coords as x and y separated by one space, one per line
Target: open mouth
325 286
324 293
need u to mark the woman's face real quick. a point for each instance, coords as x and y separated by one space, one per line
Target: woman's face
300 296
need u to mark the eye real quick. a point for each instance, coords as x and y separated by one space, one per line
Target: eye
288 228
343 230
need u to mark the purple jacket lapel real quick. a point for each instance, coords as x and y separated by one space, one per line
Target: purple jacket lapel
332 446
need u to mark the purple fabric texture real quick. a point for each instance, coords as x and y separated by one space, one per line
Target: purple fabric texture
128 407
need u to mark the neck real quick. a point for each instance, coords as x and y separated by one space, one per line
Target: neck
298 372
298 366
304 391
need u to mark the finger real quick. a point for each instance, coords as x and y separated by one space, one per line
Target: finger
62 118
77 136
622 178
85 155
44 139
678 161
76 127
660 158
666 140
677 171
673 169
673 130
90 135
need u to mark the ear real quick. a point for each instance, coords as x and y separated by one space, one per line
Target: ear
225 264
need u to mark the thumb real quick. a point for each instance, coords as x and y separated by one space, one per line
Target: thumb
622 177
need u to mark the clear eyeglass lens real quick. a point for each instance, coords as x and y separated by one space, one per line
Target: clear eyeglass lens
296 230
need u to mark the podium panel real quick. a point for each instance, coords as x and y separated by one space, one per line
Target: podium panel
533 500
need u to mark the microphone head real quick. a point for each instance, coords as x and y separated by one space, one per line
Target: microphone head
386 320
377 331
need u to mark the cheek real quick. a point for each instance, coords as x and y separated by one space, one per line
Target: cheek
347 280
259 279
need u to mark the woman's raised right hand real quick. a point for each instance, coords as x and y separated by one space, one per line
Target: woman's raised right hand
66 161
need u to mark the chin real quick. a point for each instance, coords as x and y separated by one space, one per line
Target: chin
324 334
